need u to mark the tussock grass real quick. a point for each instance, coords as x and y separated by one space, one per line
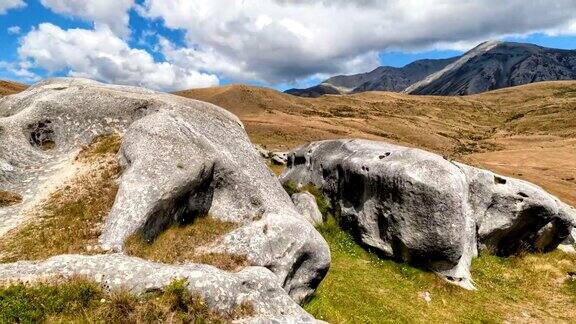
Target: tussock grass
362 288
80 300
8 198
181 243
101 146
276 169
71 218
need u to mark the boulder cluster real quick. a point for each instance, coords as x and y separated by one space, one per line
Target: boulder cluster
182 159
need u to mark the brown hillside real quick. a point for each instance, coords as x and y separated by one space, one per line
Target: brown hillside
10 87
528 132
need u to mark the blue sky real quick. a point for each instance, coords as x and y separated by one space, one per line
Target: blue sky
177 44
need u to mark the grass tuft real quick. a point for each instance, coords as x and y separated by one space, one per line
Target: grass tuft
81 300
180 244
101 146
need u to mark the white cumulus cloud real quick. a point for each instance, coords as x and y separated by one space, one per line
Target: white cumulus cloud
101 55
110 13
6 5
282 41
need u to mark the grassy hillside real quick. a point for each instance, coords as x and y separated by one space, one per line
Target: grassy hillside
10 87
527 132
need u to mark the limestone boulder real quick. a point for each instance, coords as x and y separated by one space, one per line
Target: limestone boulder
306 204
417 206
181 158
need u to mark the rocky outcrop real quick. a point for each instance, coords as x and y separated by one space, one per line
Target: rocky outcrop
419 207
222 291
181 158
277 158
306 204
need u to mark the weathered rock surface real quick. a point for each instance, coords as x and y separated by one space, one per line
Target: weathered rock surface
221 290
181 158
419 207
306 204
278 158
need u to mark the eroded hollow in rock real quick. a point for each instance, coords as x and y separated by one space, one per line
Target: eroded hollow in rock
42 135
192 202
8 198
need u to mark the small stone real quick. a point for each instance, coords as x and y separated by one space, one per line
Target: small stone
426 296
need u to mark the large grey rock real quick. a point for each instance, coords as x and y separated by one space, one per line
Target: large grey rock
181 158
222 291
419 207
306 204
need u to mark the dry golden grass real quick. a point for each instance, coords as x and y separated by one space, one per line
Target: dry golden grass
181 243
11 87
276 169
71 218
102 145
8 198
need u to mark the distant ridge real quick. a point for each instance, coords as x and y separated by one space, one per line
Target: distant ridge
384 78
10 87
489 66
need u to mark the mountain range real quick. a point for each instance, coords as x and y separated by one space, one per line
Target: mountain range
489 66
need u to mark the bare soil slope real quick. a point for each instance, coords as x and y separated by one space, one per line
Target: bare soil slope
528 132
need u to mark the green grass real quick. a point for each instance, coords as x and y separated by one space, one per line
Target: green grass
82 301
362 288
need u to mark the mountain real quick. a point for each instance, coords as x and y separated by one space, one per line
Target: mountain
489 66
384 78
496 65
10 87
